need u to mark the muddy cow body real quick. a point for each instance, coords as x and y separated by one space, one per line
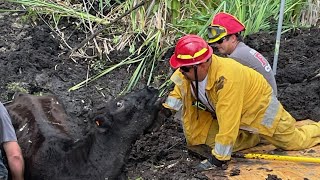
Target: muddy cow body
53 148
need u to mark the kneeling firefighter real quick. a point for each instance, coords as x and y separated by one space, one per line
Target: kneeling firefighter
228 106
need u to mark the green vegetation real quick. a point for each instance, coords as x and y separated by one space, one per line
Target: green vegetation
157 24
17 87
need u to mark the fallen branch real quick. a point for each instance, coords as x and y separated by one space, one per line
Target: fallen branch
105 27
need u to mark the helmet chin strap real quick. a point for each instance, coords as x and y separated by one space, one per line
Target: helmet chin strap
197 86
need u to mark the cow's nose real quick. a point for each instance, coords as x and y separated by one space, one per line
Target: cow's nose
102 122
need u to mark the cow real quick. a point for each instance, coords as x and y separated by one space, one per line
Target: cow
56 148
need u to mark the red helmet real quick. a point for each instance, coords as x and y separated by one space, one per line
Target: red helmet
190 50
223 24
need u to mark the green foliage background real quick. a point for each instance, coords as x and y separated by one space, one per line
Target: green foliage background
159 23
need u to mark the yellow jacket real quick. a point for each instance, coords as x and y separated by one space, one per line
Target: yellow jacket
241 97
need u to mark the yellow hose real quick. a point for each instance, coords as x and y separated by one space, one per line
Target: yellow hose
277 157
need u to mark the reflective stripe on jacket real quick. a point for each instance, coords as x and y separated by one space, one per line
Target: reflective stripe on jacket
242 98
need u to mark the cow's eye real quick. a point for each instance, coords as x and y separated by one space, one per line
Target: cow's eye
119 104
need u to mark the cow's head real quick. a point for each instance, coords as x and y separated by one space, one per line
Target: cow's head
129 114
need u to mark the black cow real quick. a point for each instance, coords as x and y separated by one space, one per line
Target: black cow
56 149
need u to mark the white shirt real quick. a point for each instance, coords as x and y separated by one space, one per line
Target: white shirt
202 92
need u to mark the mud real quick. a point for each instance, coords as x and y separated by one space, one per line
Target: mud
31 61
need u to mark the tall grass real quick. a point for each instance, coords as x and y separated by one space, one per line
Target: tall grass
160 22
310 13
257 15
54 9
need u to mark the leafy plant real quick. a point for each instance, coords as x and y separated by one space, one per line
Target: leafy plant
153 28
47 7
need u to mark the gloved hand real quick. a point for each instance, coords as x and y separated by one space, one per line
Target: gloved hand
211 163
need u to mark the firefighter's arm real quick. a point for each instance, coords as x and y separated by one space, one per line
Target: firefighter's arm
174 100
228 109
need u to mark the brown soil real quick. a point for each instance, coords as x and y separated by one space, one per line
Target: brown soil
30 59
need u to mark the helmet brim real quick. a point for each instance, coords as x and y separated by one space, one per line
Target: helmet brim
176 62
215 33
217 39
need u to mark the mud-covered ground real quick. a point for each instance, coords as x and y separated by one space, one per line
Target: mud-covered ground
31 60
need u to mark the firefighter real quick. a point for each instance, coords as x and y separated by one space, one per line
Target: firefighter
228 106
224 34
